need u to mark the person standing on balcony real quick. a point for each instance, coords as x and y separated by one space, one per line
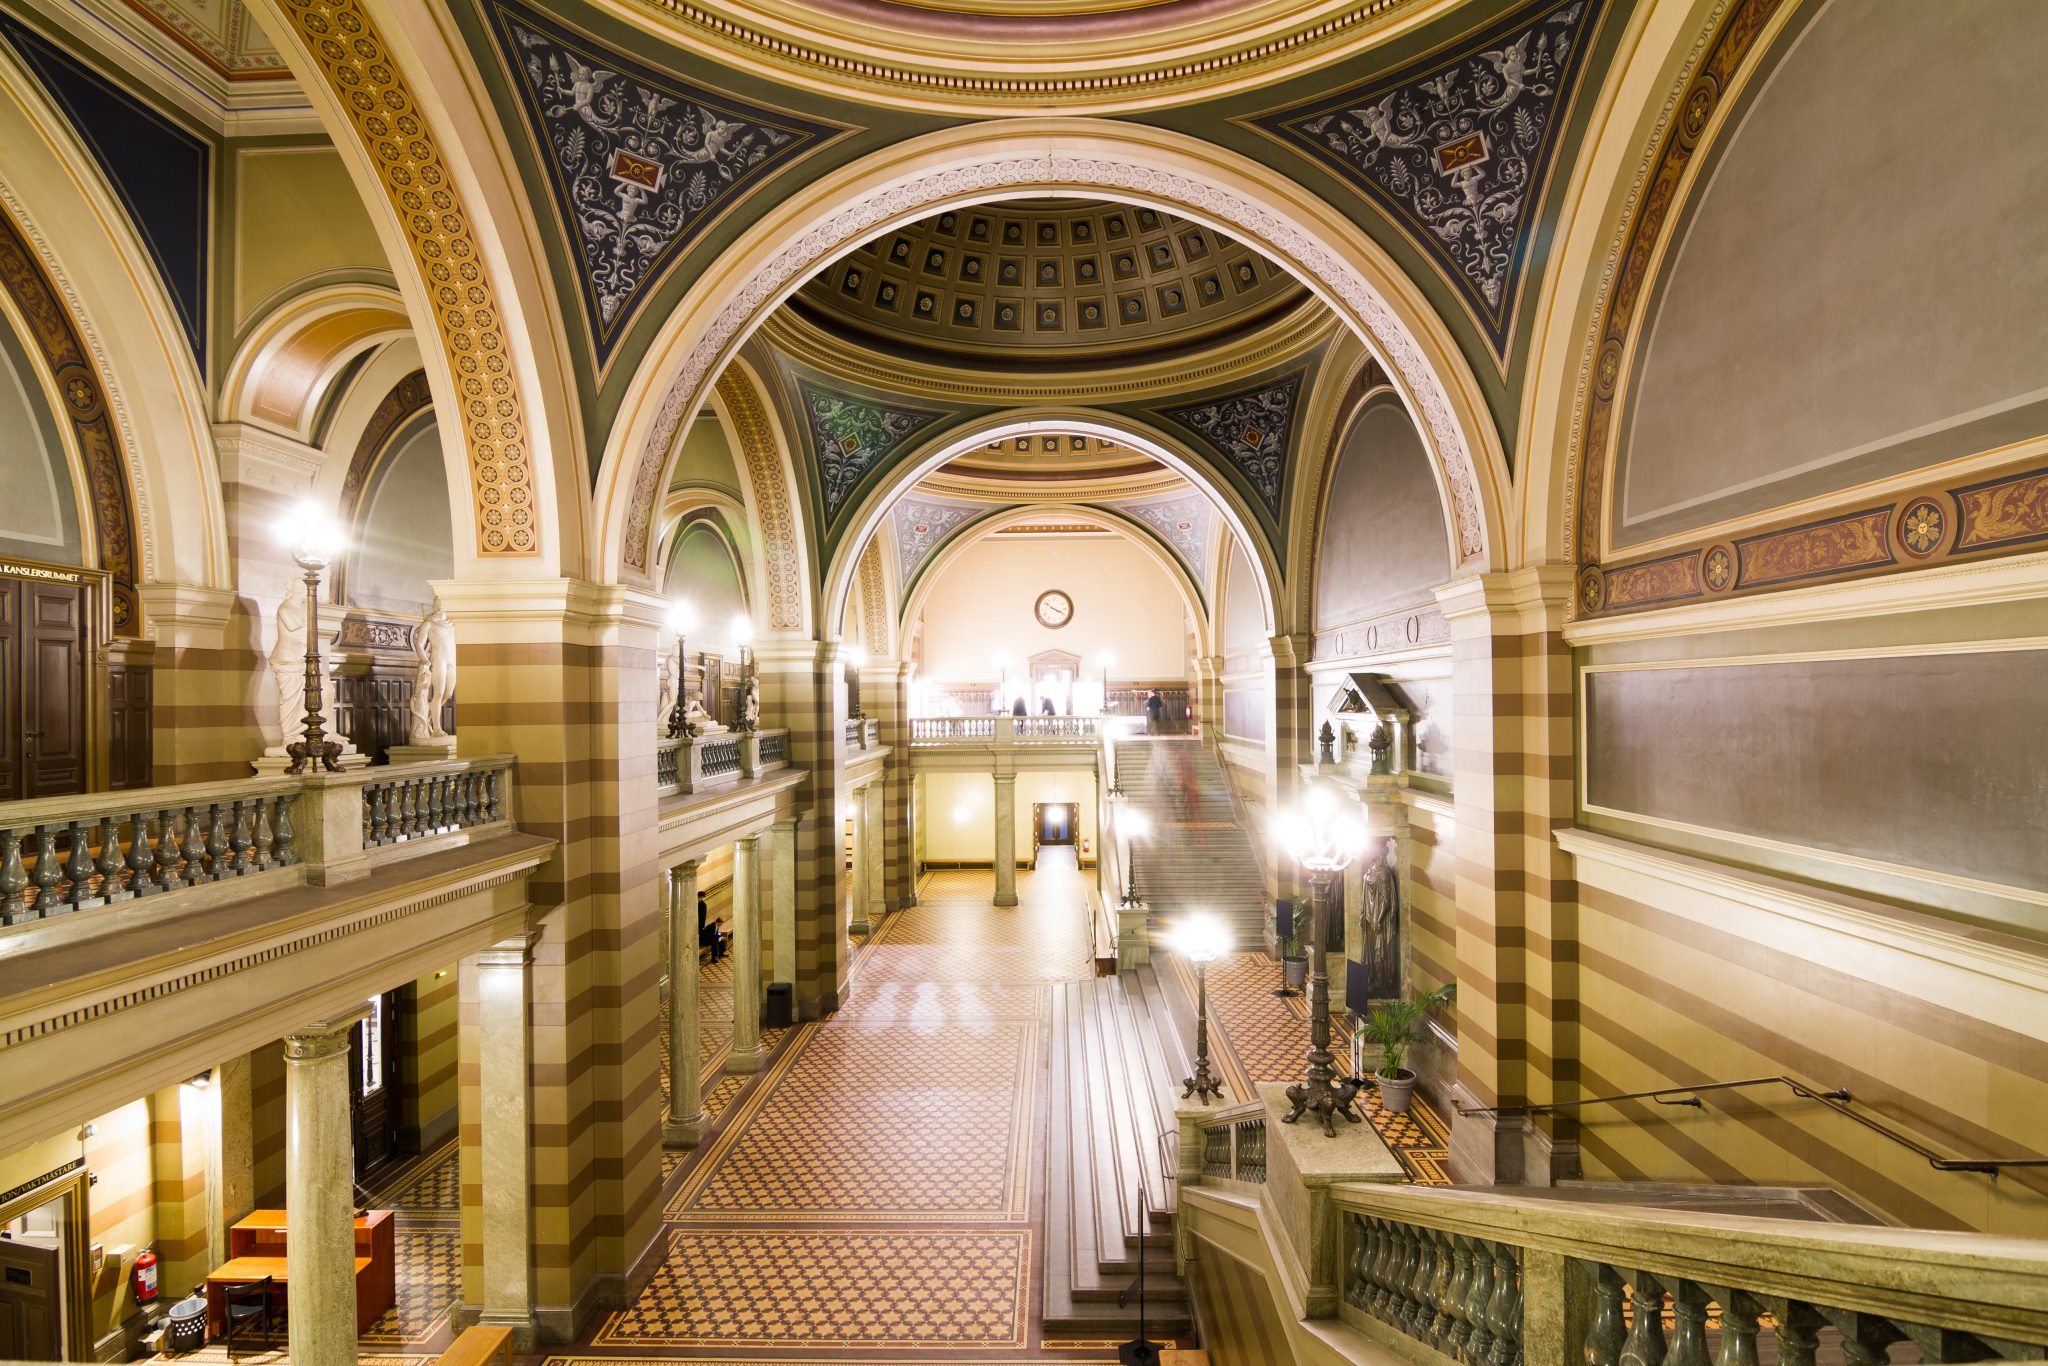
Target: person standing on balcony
1155 711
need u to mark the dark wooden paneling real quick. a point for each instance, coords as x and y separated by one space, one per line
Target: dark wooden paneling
130 762
1930 761
13 766
53 687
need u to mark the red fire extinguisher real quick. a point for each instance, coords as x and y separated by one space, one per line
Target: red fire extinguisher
145 1277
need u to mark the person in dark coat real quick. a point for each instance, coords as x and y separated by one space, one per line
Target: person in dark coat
1045 707
1017 707
1155 711
709 935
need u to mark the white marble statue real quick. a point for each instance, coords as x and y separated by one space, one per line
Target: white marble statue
665 671
750 704
701 722
288 667
434 684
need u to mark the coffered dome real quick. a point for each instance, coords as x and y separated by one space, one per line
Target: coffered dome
1049 282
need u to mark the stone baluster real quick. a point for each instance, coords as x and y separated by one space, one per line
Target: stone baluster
13 879
165 874
1504 1310
1418 1313
238 842
1443 1323
437 803
47 873
140 859
1738 1326
259 827
216 843
1356 1287
1865 1337
465 815
1479 1295
1644 1345
1799 1328
1689 1325
380 814
194 849
80 869
282 854
1385 1264
496 780
1456 1286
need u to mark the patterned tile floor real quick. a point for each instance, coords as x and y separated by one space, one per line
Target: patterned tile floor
1259 1037
876 1195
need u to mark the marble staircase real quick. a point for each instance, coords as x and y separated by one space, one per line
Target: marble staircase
1198 855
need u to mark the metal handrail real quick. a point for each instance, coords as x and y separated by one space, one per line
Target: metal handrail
1837 1100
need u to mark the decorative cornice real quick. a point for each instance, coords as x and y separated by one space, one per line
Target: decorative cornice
1011 65
252 455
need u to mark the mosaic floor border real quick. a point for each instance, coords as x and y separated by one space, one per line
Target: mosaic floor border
774 1088
724 1269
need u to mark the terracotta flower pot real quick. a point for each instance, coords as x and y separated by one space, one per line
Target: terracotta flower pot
1395 1091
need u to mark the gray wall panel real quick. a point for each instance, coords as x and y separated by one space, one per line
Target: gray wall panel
1931 761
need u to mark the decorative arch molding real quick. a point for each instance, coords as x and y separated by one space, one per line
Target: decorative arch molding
459 265
876 618
972 533
77 264
865 522
1126 162
1725 51
288 364
55 342
771 502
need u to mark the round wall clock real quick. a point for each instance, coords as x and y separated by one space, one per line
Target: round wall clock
1053 609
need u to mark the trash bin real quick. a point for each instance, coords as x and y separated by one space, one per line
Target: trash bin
187 1330
781 1008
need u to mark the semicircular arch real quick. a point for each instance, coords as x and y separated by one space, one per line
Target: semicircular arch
1059 157
866 518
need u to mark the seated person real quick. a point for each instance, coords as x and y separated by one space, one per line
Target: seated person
709 935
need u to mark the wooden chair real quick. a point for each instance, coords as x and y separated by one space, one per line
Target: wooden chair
245 1302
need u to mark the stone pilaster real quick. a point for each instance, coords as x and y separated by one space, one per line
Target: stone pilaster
585 777
1517 931
803 685
872 807
1209 696
686 1118
885 696
782 887
319 1185
862 815
1006 839
504 994
1293 744
746 956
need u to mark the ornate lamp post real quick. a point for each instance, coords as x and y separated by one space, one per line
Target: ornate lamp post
742 636
856 657
1107 659
681 617
1324 841
1134 828
314 540
1201 939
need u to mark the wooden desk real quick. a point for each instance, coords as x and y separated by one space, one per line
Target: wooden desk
241 1270
262 1236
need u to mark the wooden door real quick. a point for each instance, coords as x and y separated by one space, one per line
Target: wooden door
374 1111
53 687
31 1307
13 745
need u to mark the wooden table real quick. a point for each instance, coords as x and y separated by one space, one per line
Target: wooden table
256 1248
242 1270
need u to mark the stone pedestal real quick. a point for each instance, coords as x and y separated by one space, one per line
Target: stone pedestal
504 1054
1301 1165
1006 839
319 1192
746 957
684 1126
442 747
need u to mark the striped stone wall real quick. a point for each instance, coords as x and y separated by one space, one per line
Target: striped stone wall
204 721
1939 1035
885 696
179 1143
562 674
266 1123
803 687
1515 948
427 1076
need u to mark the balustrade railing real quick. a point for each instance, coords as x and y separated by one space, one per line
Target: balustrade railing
76 853
412 804
1486 1278
939 730
1057 727
1232 1142
721 756
682 766
67 854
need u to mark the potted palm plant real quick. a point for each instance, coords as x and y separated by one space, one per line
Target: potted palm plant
1293 960
1392 1030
